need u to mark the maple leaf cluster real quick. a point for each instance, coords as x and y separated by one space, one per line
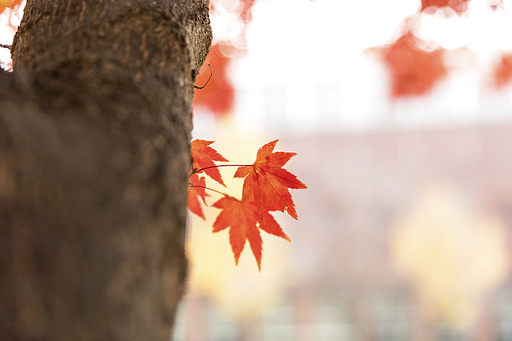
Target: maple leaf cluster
265 189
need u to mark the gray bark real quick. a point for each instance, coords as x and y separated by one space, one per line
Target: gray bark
95 127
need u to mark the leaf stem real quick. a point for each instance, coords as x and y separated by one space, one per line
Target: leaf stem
197 170
213 190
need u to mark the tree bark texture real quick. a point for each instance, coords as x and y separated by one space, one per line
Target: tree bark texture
95 126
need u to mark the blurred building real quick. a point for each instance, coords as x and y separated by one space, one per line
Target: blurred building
348 283
405 230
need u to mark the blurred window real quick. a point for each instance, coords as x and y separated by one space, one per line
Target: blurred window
179 323
327 96
275 106
220 328
278 326
333 319
450 334
391 314
505 315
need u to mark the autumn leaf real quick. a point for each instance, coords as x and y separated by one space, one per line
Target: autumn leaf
196 190
202 159
268 182
241 218
503 71
6 3
270 225
413 70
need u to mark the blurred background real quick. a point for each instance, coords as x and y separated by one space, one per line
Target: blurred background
401 114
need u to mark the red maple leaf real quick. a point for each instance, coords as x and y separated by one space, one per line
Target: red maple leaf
268 182
196 190
202 159
242 218
503 71
270 225
413 71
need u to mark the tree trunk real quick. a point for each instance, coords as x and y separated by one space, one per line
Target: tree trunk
95 127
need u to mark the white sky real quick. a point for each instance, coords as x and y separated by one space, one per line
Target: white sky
326 31
362 24
303 45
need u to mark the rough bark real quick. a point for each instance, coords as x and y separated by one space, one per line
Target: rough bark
95 127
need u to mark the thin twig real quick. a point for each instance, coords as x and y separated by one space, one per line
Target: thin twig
211 189
197 170
6 46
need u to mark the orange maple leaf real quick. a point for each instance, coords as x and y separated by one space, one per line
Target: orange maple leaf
413 71
270 225
196 190
268 182
503 71
202 159
242 218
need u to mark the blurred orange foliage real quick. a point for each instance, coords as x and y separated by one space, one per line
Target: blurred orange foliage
218 95
14 3
502 74
413 71
459 6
